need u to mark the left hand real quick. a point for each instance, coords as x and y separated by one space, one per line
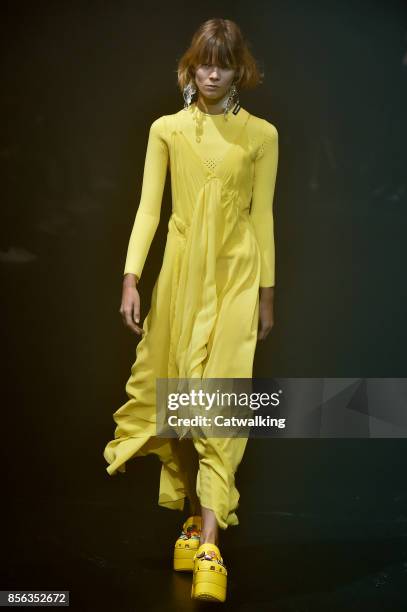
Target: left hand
266 314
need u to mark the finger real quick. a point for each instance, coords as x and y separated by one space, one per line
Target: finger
136 329
267 330
123 315
128 320
136 313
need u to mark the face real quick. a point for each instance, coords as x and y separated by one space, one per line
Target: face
213 82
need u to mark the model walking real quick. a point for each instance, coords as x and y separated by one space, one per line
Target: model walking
213 298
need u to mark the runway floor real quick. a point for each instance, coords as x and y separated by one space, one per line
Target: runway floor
117 557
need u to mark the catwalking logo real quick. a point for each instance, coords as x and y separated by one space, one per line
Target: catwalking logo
233 421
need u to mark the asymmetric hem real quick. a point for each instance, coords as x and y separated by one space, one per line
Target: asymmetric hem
203 318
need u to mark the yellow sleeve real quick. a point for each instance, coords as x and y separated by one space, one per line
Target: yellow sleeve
148 213
261 212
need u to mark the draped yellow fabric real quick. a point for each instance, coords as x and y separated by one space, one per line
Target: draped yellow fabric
204 311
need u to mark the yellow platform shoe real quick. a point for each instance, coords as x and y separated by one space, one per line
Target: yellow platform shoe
210 574
187 544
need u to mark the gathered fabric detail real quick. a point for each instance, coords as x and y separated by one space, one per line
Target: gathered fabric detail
194 306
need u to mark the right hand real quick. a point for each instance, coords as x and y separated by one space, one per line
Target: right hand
130 308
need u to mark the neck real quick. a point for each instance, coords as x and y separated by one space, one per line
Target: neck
209 107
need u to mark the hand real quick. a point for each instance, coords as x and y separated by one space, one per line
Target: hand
266 308
130 306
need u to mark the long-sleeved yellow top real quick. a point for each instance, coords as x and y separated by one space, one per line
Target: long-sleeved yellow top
211 139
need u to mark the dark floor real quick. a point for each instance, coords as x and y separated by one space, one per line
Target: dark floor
119 558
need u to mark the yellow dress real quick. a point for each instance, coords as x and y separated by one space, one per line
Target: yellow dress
203 319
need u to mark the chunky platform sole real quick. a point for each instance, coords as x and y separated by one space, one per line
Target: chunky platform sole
184 559
209 587
210 575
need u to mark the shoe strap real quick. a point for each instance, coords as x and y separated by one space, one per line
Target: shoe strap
191 528
209 552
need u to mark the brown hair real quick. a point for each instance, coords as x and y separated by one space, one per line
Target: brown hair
220 42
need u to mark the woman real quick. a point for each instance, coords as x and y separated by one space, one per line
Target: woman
213 298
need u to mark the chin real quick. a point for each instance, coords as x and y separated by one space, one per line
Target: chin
212 96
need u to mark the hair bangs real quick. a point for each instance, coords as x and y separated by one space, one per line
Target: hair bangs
215 51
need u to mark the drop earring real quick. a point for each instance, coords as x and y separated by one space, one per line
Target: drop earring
233 97
188 92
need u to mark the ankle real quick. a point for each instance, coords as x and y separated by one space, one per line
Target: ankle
209 538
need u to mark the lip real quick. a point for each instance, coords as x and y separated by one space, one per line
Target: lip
211 86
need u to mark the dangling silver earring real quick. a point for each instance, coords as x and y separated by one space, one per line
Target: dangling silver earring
233 97
188 92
